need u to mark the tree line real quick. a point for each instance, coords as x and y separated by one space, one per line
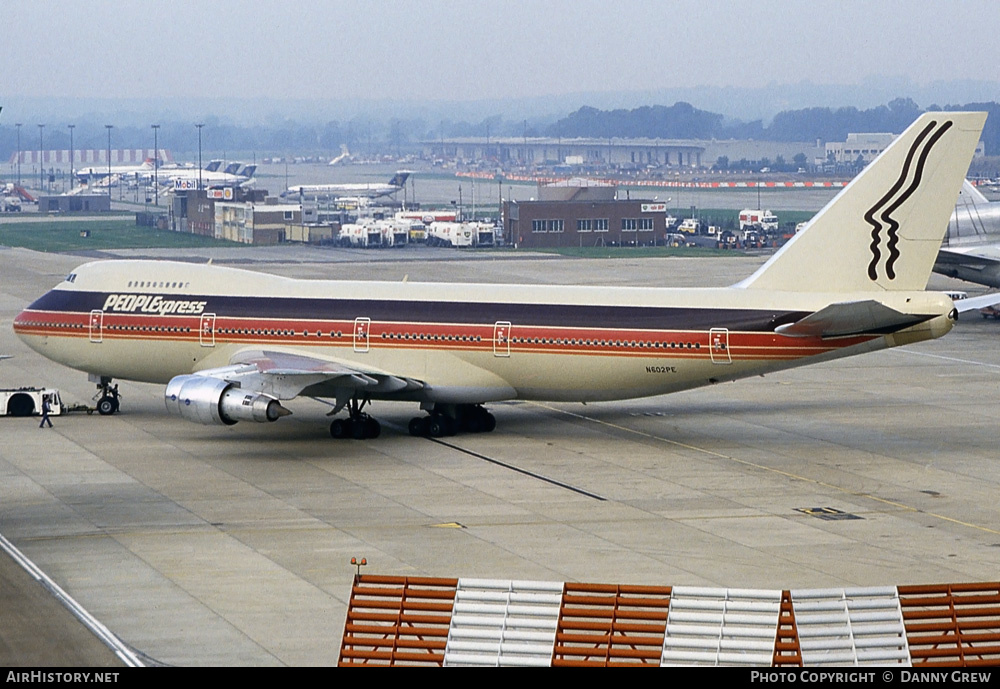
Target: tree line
372 136
684 121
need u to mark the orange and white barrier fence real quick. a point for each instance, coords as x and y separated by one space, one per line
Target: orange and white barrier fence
408 621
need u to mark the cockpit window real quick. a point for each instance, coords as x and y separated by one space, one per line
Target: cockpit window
71 277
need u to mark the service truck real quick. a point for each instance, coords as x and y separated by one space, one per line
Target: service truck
762 220
29 401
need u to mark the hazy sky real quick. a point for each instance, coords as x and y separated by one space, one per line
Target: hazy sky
470 50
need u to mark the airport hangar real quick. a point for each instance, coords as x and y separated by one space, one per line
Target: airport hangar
222 546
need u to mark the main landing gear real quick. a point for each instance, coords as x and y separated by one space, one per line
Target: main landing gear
451 419
358 425
108 398
444 419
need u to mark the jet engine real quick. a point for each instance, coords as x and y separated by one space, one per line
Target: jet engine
207 400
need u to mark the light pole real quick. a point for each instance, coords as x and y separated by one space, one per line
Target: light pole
109 127
41 157
199 126
18 125
156 164
71 127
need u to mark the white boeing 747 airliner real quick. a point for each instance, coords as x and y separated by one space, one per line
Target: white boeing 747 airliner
232 345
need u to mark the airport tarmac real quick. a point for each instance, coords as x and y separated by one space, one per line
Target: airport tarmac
206 546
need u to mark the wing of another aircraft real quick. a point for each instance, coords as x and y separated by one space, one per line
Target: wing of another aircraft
852 318
979 264
981 302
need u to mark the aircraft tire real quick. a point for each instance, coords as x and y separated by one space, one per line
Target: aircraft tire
106 406
473 421
418 426
489 422
340 428
373 428
436 427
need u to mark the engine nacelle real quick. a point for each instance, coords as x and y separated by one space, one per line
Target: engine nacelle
207 400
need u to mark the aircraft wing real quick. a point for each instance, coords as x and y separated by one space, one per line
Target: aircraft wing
852 318
286 375
977 258
978 263
981 302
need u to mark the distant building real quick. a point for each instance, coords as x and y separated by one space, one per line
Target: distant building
74 203
529 224
91 156
255 223
868 147
577 189
193 210
556 151
865 146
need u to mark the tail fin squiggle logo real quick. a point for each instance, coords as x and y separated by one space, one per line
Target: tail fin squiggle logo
920 149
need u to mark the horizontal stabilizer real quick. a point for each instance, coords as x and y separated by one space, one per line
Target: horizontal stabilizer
849 319
973 303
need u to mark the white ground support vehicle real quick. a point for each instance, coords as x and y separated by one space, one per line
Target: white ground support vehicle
484 233
29 401
395 233
690 226
454 234
765 220
361 235
461 234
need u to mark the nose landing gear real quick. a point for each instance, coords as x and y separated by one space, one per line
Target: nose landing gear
108 398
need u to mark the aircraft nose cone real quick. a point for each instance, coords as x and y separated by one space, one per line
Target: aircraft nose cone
21 323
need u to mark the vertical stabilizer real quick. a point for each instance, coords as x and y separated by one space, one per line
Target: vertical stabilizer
883 231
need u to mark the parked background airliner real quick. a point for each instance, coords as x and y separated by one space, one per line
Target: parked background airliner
972 246
232 345
371 190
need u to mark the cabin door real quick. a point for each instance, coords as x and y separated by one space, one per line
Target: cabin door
501 338
96 325
718 344
361 327
206 330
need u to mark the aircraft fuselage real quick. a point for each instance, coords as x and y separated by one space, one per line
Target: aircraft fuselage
150 321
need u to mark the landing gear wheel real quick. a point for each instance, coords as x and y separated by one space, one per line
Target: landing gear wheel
436 426
107 406
108 397
473 422
475 419
340 428
418 426
359 426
